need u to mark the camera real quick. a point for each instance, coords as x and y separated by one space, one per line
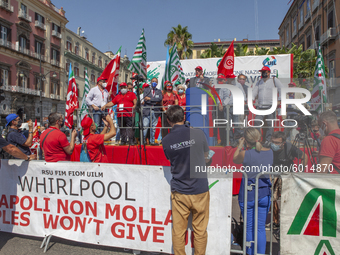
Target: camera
303 122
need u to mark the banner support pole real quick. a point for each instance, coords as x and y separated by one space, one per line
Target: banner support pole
45 242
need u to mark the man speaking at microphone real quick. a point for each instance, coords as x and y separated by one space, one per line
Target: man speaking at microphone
198 79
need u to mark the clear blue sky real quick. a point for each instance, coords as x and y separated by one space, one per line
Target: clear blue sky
110 24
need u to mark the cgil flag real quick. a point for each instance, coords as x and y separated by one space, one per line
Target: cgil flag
226 66
111 73
173 68
138 62
84 109
71 99
319 93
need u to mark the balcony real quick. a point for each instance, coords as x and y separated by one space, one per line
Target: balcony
38 56
314 46
40 25
52 96
315 5
55 62
6 6
307 17
57 97
7 44
56 34
329 35
23 50
24 15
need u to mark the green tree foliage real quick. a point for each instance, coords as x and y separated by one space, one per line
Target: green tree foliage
182 38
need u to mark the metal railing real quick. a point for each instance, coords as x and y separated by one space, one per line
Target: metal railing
22 14
6 6
56 34
328 35
40 25
55 62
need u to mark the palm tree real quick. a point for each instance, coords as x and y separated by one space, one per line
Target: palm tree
213 51
241 50
182 38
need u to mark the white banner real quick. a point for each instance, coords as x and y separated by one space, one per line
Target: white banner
310 207
280 65
124 206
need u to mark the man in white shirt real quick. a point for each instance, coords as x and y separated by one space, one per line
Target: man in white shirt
263 92
97 98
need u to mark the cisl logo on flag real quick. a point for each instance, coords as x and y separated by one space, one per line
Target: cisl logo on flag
317 216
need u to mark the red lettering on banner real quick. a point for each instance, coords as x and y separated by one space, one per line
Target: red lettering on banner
110 212
80 224
22 203
14 218
144 236
13 200
23 218
121 231
62 223
156 234
50 221
80 210
4 221
141 220
92 208
63 206
130 236
168 218
47 200
153 217
98 222
36 205
3 201
134 213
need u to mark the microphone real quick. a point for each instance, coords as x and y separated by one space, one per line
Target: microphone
138 78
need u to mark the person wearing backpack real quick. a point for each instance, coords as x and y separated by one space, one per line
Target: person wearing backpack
54 143
93 144
330 146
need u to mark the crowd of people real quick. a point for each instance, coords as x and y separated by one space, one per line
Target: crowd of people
188 194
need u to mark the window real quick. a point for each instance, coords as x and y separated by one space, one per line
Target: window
39 18
38 47
23 43
332 68
330 19
308 7
301 16
23 81
67 67
23 9
100 63
55 88
4 77
56 28
308 41
55 56
105 63
93 78
69 46
76 71
93 59
76 50
87 56
287 35
317 33
294 26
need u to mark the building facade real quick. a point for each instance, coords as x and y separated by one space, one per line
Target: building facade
31 58
199 48
309 23
82 55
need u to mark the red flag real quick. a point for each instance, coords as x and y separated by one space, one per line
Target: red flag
226 66
111 73
71 99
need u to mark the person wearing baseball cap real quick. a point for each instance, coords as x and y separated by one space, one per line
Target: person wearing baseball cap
227 103
199 80
95 142
263 92
126 102
97 98
15 137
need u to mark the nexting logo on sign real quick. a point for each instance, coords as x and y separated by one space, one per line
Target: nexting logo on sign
317 208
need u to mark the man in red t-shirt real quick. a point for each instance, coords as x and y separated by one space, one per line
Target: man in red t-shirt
95 142
126 102
54 143
330 145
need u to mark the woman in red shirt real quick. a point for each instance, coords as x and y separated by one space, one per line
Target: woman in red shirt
181 96
169 98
